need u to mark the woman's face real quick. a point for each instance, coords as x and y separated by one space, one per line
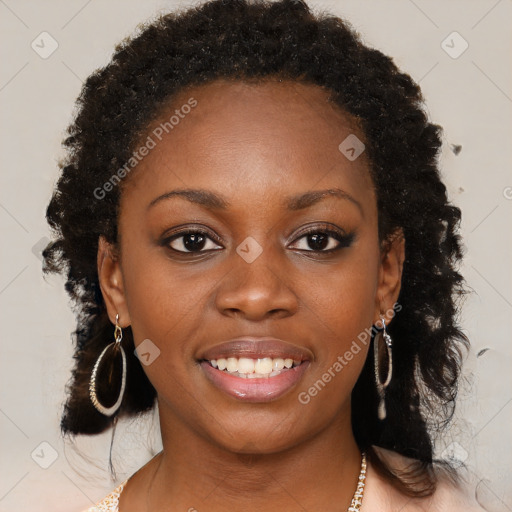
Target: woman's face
253 159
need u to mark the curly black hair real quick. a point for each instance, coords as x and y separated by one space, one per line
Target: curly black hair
260 40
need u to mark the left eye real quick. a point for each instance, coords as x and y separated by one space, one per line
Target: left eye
322 241
192 241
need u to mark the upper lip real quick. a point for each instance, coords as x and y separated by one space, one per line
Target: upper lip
257 348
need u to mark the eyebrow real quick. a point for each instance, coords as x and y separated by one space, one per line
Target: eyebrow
218 202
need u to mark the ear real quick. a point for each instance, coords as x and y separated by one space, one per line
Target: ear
111 282
390 275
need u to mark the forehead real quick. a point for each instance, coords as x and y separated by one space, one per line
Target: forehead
267 136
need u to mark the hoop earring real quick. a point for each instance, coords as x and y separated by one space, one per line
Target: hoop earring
109 411
381 386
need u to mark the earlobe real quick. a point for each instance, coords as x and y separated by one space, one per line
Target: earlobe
390 275
111 282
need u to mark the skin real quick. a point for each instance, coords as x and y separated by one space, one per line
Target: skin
255 145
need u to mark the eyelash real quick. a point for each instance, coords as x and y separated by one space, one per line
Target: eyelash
344 240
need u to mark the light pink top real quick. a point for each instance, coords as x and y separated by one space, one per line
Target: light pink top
110 503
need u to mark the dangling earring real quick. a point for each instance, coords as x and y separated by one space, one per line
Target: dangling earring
109 411
381 386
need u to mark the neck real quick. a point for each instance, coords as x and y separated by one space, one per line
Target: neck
194 473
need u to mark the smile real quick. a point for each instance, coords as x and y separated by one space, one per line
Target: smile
264 385
255 369
247 368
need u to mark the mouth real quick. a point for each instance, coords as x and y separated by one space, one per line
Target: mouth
255 369
248 368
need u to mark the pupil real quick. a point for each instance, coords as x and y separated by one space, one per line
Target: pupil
194 241
318 242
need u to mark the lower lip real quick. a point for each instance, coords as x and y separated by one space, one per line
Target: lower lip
255 390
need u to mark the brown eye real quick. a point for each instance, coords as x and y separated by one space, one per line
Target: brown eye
192 241
322 241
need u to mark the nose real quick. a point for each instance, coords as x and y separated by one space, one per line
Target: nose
258 290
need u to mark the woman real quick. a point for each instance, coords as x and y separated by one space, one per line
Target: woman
253 226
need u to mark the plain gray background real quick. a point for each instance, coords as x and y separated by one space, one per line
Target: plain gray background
468 93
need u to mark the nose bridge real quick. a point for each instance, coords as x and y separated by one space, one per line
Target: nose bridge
257 284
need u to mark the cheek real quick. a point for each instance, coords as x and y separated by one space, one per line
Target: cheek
341 305
344 297
165 308
163 302
343 314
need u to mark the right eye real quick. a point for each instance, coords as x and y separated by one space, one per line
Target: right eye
192 241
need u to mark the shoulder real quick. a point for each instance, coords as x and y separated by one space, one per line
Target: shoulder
109 503
450 496
454 493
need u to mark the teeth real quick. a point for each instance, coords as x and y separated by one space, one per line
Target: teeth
232 365
277 364
246 367
257 375
263 365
